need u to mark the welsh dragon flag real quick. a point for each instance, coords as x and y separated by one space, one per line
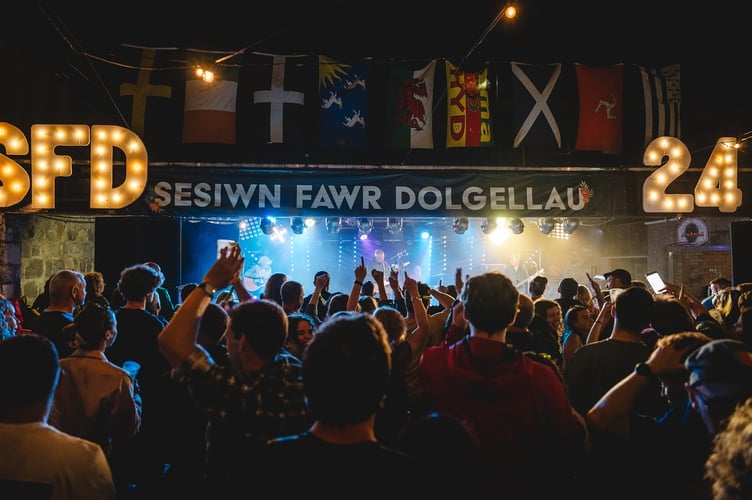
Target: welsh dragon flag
468 110
409 122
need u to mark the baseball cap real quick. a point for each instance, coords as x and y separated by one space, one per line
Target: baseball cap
724 365
622 274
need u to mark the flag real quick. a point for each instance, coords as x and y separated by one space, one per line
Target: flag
662 91
537 105
409 122
468 111
600 108
277 96
144 89
343 103
210 103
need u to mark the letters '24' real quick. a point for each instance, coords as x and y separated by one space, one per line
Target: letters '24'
716 187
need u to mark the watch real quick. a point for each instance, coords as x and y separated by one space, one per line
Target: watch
644 370
208 290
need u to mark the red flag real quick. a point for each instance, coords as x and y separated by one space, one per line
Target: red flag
601 108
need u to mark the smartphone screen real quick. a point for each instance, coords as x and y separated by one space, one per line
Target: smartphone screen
656 282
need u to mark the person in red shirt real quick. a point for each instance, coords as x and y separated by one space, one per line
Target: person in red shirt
514 406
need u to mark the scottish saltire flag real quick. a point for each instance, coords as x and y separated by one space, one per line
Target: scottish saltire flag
661 88
277 95
601 108
468 110
144 87
343 103
537 104
211 91
409 106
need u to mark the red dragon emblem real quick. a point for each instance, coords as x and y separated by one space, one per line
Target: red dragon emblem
411 111
585 192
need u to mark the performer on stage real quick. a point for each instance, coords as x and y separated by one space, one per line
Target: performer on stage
379 263
516 272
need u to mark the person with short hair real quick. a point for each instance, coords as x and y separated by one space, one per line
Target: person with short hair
38 460
516 407
346 374
67 292
257 398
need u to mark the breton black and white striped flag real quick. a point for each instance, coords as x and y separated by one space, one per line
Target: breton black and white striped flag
662 91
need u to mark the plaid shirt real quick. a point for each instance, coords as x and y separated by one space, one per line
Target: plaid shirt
245 409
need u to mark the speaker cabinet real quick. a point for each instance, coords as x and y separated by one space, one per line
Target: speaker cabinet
741 252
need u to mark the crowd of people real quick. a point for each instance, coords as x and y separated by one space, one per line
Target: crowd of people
392 386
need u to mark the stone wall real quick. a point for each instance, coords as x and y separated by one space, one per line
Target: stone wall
45 245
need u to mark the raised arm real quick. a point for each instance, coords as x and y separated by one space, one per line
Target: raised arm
178 339
360 274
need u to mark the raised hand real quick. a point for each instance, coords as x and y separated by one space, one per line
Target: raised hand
361 271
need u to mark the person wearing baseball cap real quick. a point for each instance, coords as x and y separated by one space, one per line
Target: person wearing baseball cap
720 378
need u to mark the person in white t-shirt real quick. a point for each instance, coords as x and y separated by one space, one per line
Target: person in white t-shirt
39 461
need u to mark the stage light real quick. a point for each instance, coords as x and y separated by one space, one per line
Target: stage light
460 225
546 225
570 225
489 225
516 226
247 231
333 224
268 224
365 225
297 225
394 224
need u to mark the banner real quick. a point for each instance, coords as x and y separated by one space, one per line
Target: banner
395 193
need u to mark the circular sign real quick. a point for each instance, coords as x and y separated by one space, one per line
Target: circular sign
693 231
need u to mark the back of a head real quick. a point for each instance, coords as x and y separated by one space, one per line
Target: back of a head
337 303
273 287
490 301
346 369
670 315
568 287
29 370
291 292
368 288
94 283
368 303
584 294
525 311
634 309
213 322
392 321
186 290
90 324
61 283
158 269
537 286
264 325
136 282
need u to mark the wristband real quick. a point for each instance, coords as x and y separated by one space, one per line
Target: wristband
357 282
208 290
